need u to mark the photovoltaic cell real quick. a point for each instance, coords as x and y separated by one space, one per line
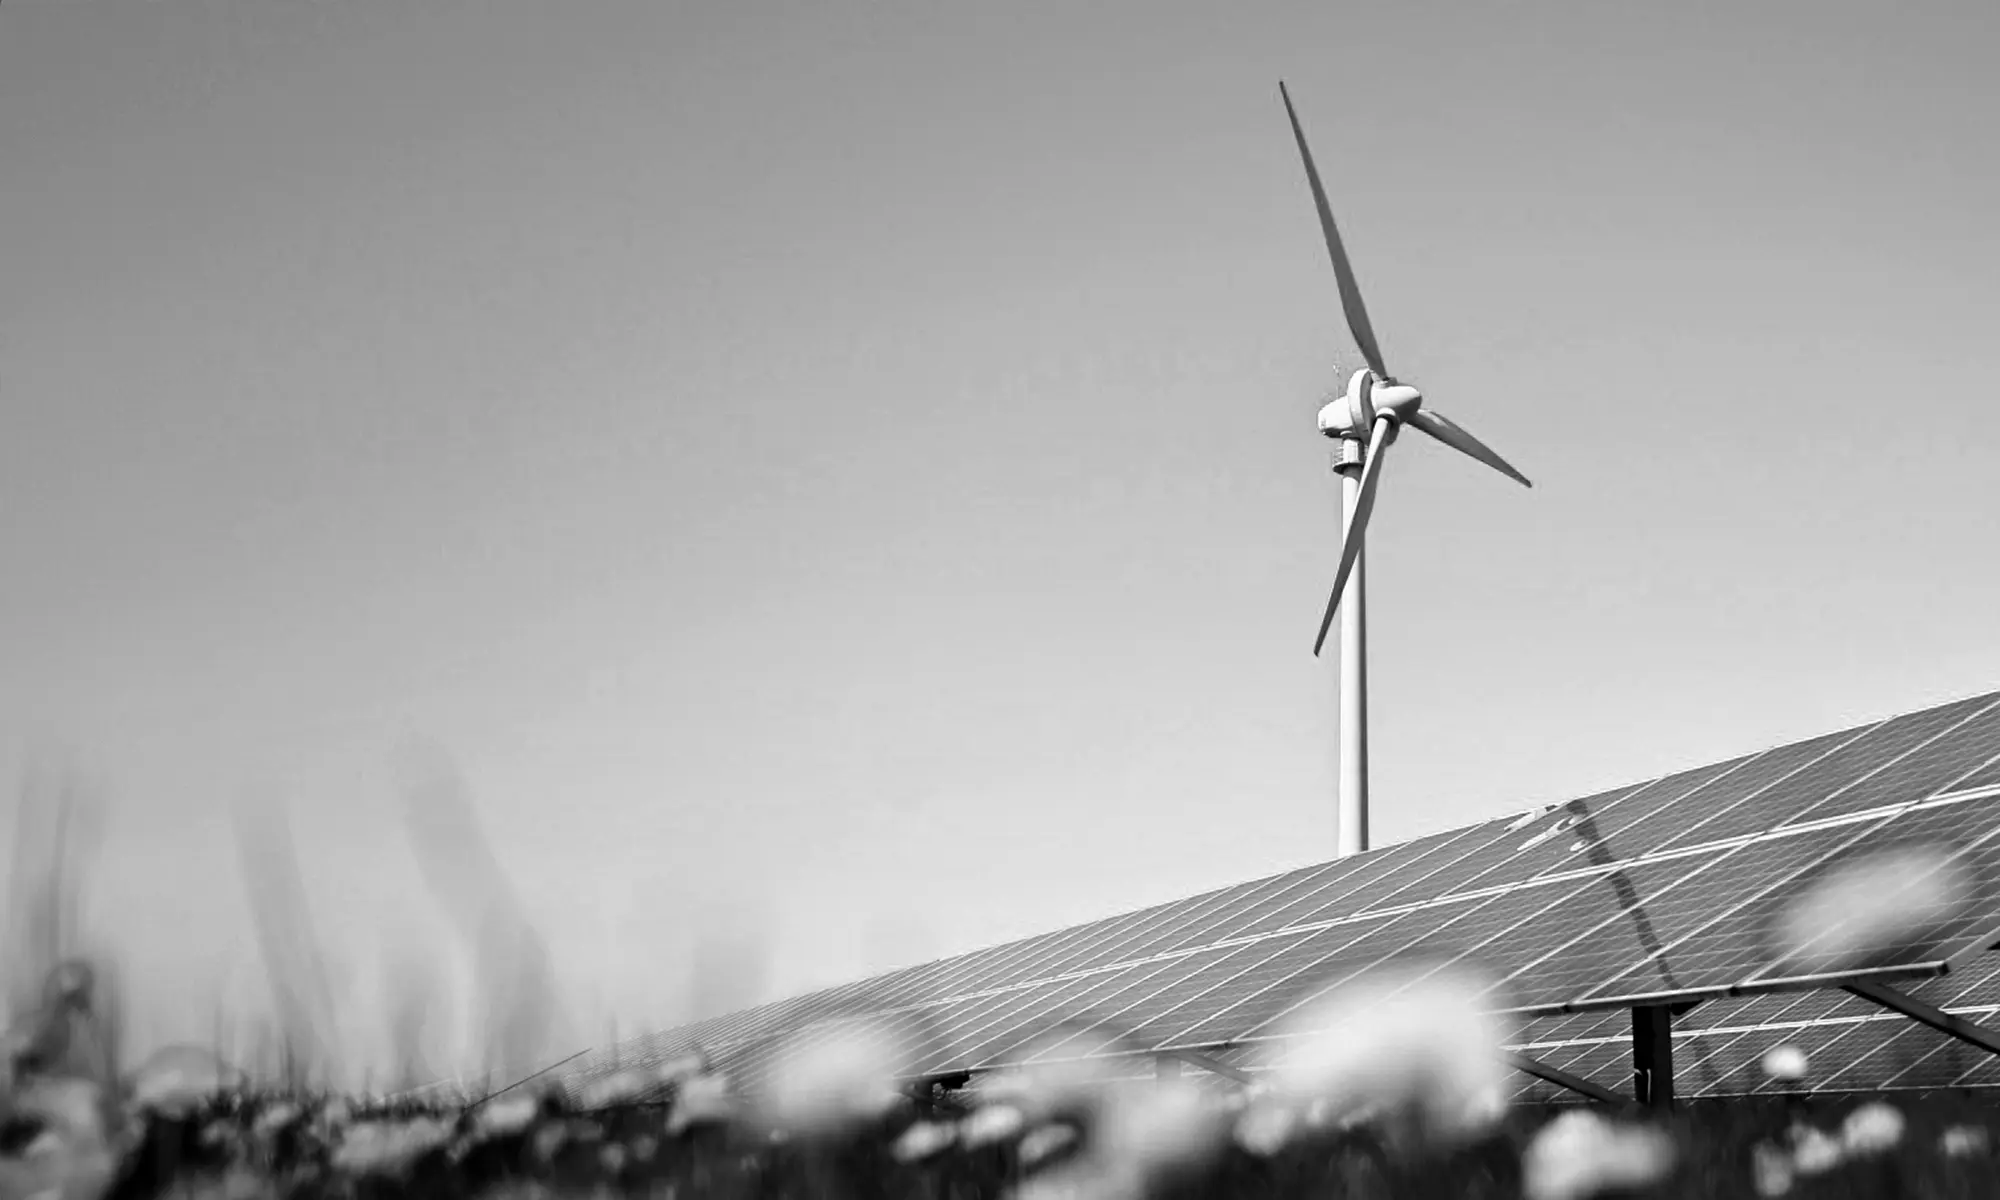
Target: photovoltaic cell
1807 791
1929 768
1659 889
1631 821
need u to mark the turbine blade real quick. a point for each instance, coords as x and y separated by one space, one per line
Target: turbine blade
1350 291
1455 436
1357 524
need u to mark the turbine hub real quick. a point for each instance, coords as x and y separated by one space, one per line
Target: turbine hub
1369 396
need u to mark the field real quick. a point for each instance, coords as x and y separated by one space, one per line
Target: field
244 1145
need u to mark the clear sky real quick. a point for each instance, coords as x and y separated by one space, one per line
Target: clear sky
852 466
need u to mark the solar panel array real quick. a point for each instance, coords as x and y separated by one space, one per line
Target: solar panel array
1661 891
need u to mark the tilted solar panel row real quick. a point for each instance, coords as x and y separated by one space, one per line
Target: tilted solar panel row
1662 890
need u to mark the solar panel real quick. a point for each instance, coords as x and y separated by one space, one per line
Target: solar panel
1849 1043
1644 894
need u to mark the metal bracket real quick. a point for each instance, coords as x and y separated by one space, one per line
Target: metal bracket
1563 1079
1925 1014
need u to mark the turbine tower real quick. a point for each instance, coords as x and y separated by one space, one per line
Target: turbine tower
1365 422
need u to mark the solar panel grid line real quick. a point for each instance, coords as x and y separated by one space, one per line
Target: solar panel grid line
1412 935
1880 748
1737 947
1582 875
1695 865
1368 868
1765 774
1663 791
1438 862
1228 1017
1981 854
1003 1033
1003 1029
1270 901
1138 945
1247 923
1746 778
1860 823
959 971
1103 1016
1767 901
1263 881
1978 1014
1934 767
918 994
1749 784
971 1028
1508 836
1103 951
1854 1058
1091 946
1255 895
1413 909
951 972
1160 1005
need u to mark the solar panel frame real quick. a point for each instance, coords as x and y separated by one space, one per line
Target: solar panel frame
1376 907
1891 742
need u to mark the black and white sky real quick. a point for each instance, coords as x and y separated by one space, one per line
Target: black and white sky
853 465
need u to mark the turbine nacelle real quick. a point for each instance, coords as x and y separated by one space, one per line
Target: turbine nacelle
1369 396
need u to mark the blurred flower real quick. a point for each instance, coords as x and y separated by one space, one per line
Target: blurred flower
372 1147
831 1076
1580 1154
923 1139
1770 1170
1813 1152
1870 904
1785 1063
1871 1129
1265 1125
702 1100
990 1123
1960 1141
506 1114
1042 1142
619 1087
1401 1040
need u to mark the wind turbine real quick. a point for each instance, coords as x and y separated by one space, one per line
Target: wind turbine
1365 422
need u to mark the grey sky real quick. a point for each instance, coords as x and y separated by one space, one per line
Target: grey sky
860 457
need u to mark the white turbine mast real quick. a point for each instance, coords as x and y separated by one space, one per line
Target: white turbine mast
1365 422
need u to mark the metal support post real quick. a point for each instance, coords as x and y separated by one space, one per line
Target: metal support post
1653 1055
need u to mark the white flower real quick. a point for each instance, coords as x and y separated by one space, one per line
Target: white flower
1871 1129
506 1114
923 1139
1580 1154
1401 1040
1044 1141
619 1087
990 1123
702 1100
1962 1140
1813 1152
1265 1125
1771 1170
832 1075
1872 903
1785 1063
380 1146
